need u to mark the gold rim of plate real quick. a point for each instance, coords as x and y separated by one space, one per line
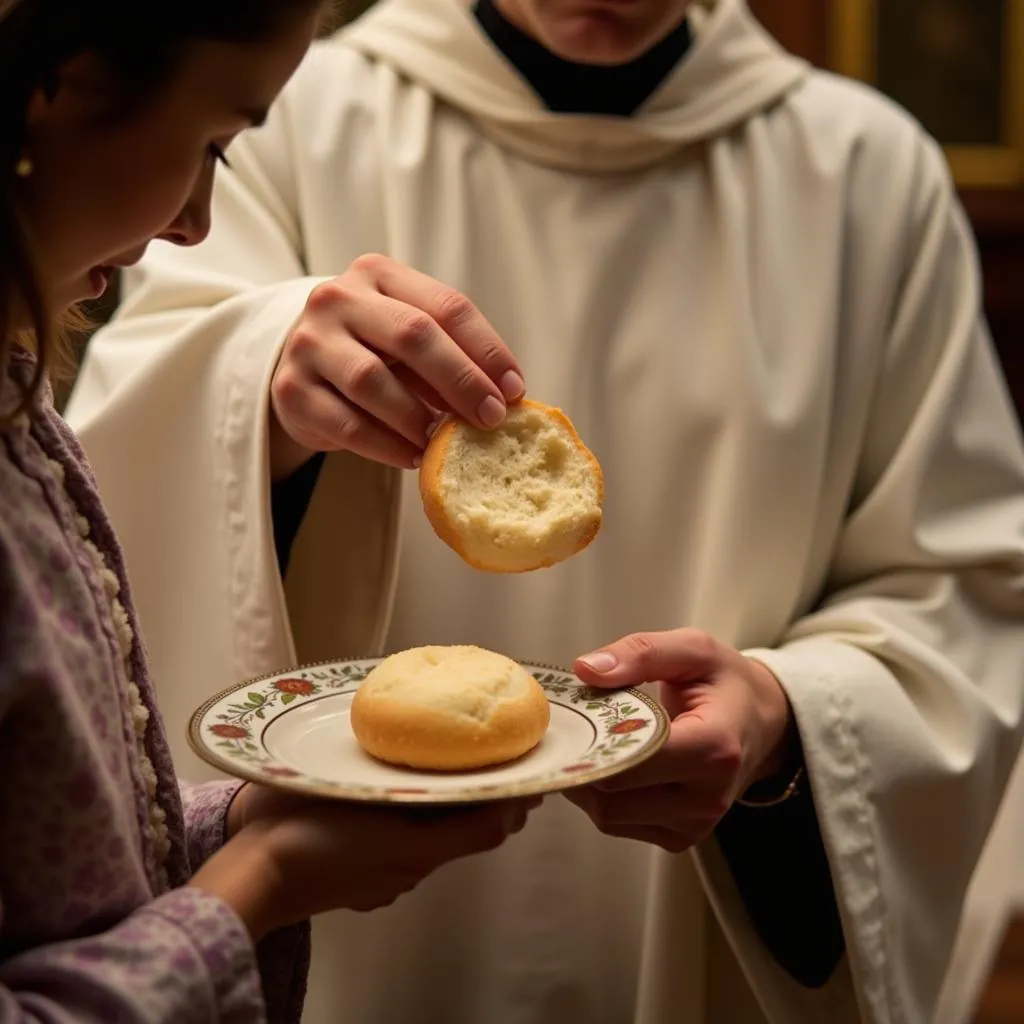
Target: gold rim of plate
473 793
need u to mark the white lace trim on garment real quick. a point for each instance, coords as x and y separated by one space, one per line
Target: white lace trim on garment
139 712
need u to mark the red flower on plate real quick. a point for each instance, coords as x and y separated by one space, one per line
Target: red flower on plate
627 725
583 766
277 772
229 732
300 687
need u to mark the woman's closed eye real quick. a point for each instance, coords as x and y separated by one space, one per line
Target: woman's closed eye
217 153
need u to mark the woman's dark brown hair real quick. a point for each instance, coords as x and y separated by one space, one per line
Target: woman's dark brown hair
141 45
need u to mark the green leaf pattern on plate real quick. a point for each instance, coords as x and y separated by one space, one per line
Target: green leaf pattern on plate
237 725
233 730
621 720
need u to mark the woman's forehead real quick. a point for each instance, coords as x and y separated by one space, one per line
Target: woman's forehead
243 78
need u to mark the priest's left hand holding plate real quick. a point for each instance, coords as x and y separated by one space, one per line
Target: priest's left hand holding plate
731 729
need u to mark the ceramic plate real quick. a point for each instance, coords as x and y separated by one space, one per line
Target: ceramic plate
292 730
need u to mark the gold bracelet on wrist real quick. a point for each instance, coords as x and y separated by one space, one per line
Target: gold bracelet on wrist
792 788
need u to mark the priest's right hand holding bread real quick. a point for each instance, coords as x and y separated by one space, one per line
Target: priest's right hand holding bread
376 355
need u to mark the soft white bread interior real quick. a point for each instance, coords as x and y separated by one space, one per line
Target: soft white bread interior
518 498
449 709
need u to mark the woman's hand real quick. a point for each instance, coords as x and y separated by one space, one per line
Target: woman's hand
376 356
731 728
292 858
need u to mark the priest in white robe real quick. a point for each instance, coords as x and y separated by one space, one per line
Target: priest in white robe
752 288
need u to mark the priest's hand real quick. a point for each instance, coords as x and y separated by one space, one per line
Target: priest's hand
376 356
731 728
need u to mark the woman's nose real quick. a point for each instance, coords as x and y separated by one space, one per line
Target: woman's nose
191 225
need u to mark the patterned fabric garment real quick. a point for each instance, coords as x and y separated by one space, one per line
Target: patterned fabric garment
98 837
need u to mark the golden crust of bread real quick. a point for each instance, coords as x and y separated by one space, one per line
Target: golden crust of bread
437 515
409 734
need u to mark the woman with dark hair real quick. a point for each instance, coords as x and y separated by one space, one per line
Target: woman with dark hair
124 895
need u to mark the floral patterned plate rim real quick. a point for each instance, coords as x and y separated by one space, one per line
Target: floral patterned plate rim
291 730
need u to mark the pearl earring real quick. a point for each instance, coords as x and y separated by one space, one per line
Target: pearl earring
24 167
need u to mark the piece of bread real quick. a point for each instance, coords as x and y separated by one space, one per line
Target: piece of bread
449 709
518 498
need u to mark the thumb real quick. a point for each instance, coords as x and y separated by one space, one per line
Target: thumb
676 655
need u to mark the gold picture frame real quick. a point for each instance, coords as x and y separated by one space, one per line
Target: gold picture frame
854 52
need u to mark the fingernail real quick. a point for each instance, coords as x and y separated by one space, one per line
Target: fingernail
601 661
512 386
491 411
417 462
432 428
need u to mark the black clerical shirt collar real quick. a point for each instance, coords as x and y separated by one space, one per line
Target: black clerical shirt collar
568 88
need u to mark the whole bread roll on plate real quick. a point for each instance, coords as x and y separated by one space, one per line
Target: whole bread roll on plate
449 709
522 497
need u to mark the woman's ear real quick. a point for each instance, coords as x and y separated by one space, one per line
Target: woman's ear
77 80
38 115
40 106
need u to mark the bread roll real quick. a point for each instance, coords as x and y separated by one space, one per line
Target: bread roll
518 498
449 709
